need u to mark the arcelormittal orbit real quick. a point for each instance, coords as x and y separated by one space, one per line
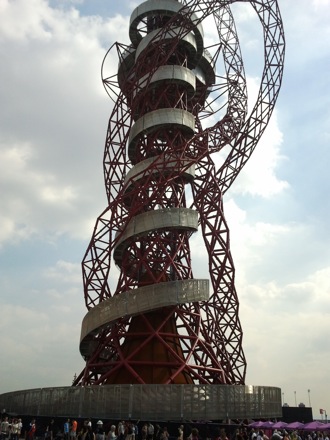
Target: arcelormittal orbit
173 113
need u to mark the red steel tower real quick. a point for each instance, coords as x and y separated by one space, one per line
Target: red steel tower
149 321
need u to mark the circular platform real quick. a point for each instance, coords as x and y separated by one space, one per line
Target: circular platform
148 402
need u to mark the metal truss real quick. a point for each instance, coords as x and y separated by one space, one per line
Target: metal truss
159 324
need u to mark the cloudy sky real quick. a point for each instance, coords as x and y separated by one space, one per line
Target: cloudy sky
53 122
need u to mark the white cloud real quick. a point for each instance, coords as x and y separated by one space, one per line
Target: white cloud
286 328
47 114
321 3
259 175
64 272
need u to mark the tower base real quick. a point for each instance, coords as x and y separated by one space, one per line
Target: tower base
148 402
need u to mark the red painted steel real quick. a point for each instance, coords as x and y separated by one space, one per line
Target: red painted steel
198 342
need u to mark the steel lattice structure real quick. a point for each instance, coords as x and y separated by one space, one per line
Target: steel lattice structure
160 325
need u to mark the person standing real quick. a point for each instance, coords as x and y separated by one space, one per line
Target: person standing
19 428
164 434
4 428
14 429
32 430
73 429
194 435
129 435
112 433
136 430
88 433
151 431
144 432
99 433
52 431
121 430
181 430
66 429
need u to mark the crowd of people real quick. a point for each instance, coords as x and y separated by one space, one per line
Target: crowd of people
276 434
71 429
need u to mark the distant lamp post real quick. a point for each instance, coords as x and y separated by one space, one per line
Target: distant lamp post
309 398
282 399
295 398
